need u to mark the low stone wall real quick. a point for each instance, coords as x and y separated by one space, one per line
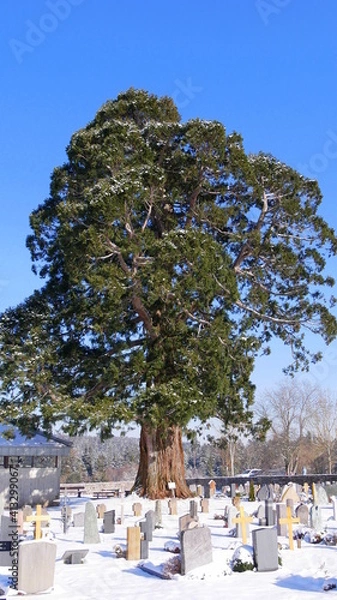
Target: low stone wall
223 482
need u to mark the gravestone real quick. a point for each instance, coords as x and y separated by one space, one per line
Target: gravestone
173 506
109 519
261 514
212 488
320 497
265 549
233 490
302 513
36 566
290 503
26 511
74 557
270 515
19 521
133 543
205 505
78 519
290 491
194 509
231 515
334 507
263 493
187 522
137 509
196 548
158 514
236 501
331 490
144 539
122 514
91 533
316 521
281 513
100 509
66 516
150 517
8 542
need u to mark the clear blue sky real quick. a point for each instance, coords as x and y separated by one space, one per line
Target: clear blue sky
266 68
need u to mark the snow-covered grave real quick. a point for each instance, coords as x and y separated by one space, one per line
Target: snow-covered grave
224 565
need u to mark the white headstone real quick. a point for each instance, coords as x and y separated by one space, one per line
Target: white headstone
36 566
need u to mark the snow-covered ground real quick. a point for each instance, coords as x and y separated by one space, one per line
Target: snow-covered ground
103 576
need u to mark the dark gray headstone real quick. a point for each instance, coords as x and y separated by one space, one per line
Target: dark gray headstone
144 539
270 515
36 566
91 533
196 548
281 513
194 509
109 519
265 549
78 519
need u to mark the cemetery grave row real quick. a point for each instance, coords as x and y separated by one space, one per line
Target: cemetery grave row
280 514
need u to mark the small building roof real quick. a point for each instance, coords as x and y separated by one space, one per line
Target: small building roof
14 443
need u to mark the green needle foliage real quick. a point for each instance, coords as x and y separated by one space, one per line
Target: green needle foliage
170 258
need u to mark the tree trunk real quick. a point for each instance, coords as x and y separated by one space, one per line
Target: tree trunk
161 461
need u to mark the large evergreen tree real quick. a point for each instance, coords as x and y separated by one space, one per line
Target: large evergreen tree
170 257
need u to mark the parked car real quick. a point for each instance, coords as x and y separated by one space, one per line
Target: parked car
250 473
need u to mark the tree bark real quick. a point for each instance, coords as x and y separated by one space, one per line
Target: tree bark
161 461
